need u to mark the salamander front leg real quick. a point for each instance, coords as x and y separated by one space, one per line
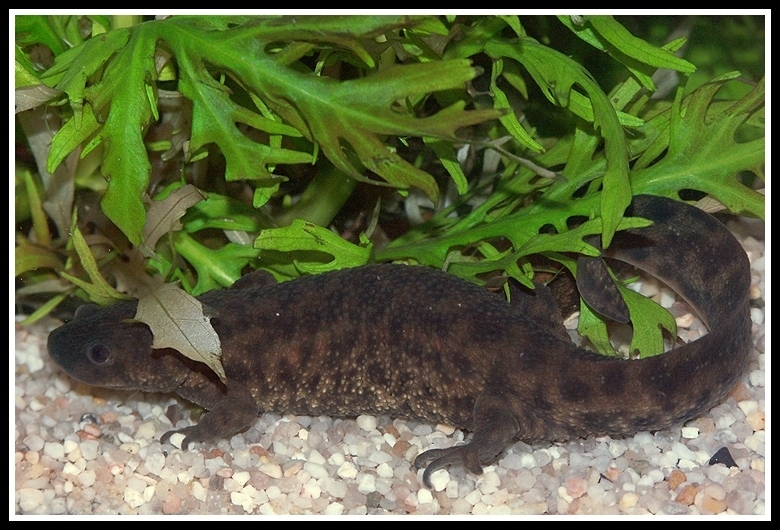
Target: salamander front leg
233 414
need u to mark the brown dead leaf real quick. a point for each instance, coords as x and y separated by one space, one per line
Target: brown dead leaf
177 321
163 216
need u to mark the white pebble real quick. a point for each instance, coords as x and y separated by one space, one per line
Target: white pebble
242 477
87 478
690 432
491 482
155 463
366 483
33 442
683 452
629 500
334 508
365 422
336 488
124 437
311 490
198 491
756 315
725 421
130 447
384 470
347 470
89 449
480 509
242 457
424 496
54 450
474 497
317 471
446 429
756 378
528 460
756 443
68 446
667 298
684 321
380 457
133 498
272 470
512 461
747 406
439 479
273 492
617 448
30 499
336 459
146 430
176 439
239 498
70 469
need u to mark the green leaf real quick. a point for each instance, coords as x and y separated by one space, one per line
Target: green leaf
302 236
214 268
223 213
447 156
29 256
214 120
648 319
509 120
557 75
111 85
606 34
45 309
354 113
703 152
31 29
593 328
98 289
618 36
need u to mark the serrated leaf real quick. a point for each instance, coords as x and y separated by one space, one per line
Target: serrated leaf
305 236
214 120
215 267
593 328
223 213
116 108
177 321
70 137
355 112
703 153
557 74
647 318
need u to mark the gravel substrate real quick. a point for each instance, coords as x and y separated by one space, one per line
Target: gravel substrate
80 450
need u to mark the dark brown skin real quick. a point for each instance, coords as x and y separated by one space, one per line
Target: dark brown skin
419 343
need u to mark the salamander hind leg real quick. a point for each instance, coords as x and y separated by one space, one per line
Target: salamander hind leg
494 427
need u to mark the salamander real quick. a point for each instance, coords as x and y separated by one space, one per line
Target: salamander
411 341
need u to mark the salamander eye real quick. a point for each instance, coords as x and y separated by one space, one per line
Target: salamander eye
98 353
